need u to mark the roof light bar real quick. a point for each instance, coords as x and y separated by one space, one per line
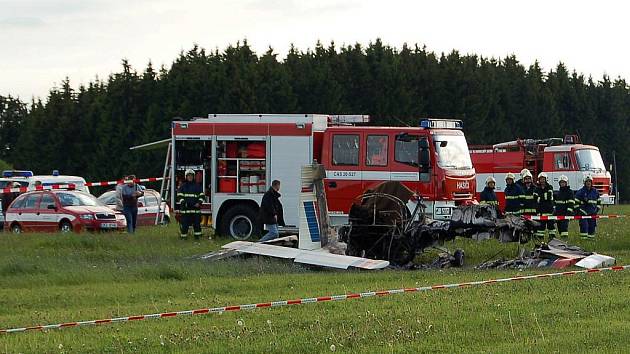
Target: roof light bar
432 123
16 173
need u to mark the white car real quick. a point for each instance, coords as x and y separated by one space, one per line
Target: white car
149 206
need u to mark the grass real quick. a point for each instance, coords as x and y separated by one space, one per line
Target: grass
51 278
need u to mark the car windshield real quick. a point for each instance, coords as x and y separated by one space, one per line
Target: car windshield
590 160
108 197
78 199
452 152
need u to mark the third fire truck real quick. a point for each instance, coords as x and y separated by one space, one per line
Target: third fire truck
555 156
236 156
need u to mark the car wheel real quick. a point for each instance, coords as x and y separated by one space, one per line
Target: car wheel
239 222
16 229
65 226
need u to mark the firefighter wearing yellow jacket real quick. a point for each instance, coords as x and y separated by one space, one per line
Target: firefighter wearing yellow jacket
189 197
543 194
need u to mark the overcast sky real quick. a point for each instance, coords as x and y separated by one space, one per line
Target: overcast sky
43 41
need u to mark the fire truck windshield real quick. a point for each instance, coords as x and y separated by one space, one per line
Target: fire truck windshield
452 152
590 160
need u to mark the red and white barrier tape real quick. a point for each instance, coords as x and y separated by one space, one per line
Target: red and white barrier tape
37 188
113 183
567 217
306 300
73 186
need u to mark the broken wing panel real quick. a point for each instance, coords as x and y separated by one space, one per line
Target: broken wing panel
338 261
319 258
262 249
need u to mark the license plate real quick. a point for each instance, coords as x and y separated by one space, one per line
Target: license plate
109 225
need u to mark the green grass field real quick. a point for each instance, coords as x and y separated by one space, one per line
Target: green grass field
52 278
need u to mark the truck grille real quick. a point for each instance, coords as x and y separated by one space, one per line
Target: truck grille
461 196
103 216
601 187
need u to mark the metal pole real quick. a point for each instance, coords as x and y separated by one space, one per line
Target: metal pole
615 174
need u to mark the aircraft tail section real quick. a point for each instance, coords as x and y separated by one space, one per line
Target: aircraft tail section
313 211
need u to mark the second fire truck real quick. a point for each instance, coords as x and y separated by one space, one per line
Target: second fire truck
236 156
554 156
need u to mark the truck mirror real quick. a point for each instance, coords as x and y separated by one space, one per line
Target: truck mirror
424 158
443 143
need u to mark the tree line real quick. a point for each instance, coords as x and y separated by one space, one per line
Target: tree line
88 131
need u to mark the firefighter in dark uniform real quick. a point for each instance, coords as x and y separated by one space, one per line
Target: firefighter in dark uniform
529 200
513 196
564 201
587 202
189 197
522 174
487 196
543 195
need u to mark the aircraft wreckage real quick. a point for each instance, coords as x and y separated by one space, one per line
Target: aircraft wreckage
381 229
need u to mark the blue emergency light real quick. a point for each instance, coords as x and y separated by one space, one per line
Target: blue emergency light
55 173
15 173
432 123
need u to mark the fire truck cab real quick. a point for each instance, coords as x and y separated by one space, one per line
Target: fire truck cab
237 156
555 156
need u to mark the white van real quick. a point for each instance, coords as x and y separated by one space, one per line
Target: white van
27 179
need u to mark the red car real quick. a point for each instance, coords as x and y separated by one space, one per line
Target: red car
62 210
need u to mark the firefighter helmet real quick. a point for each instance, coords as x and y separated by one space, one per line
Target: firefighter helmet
524 172
190 172
509 176
542 174
588 178
564 178
490 179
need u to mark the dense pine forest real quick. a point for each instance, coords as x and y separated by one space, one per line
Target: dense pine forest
88 131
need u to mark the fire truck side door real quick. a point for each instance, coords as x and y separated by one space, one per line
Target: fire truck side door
343 174
377 159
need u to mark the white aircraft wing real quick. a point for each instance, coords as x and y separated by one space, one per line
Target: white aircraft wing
318 257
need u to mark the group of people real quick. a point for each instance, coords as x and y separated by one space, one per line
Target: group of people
190 196
525 197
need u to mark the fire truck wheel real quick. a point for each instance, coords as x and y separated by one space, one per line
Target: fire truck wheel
16 229
65 226
239 222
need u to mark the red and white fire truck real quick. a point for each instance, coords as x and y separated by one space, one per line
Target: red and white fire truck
236 156
555 156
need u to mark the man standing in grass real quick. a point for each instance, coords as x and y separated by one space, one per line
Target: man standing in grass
189 197
587 200
271 213
130 194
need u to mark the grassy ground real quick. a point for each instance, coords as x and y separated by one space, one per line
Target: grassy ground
51 278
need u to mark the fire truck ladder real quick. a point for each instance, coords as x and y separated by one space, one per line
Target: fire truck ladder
165 188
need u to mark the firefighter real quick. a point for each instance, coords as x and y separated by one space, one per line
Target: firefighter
587 202
520 182
528 199
543 196
513 196
487 196
189 197
564 201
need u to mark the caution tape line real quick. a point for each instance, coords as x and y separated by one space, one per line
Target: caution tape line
38 188
73 186
567 217
113 183
306 300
